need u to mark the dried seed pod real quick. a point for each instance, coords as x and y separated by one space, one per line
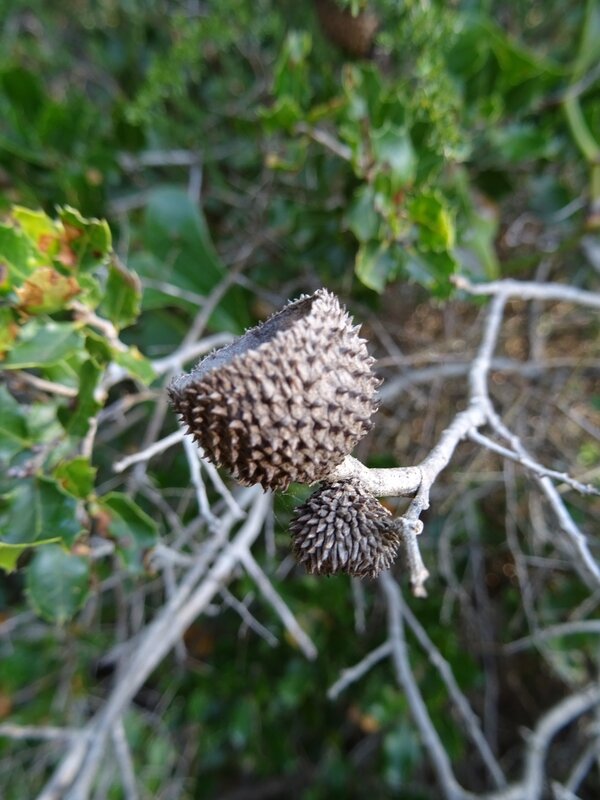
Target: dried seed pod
285 402
343 528
352 34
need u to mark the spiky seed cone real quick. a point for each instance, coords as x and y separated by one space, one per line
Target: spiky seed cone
285 402
343 528
353 35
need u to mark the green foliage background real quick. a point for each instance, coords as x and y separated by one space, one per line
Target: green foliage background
232 138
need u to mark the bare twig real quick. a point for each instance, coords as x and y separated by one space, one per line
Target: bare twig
198 483
533 466
461 703
158 158
389 482
249 620
583 764
406 679
174 291
550 724
105 326
44 732
587 627
47 386
218 484
153 450
394 387
575 537
74 775
190 352
531 786
270 594
326 140
350 675
124 761
530 290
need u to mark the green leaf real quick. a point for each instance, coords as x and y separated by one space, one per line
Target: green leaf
8 330
10 553
75 417
137 365
98 348
37 225
175 232
291 78
89 239
35 509
134 531
91 290
14 437
520 142
122 296
283 115
362 217
76 476
57 583
432 270
479 238
25 91
436 228
364 90
589 45
46 291
376 265
43 343
16 258
395 154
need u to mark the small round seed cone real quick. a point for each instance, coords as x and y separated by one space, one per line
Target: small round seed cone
285 402
353 35
343 528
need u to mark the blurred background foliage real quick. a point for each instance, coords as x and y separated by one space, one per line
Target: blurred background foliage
245 152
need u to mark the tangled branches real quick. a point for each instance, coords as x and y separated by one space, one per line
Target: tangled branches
193 579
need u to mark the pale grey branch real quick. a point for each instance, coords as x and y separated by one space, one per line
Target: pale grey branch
270 594
587 627
352 674
530 290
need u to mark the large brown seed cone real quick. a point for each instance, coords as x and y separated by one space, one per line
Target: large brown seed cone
352 34
285 402
343 528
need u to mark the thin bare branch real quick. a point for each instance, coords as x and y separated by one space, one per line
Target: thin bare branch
47 386
350 675
190 352
531 786
575 537
471 721
530 290
586 627
249 620
533 466
73 777
197 482
326 140
47 733
407 681
153 450
123 755
279 605
549 725
389 482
